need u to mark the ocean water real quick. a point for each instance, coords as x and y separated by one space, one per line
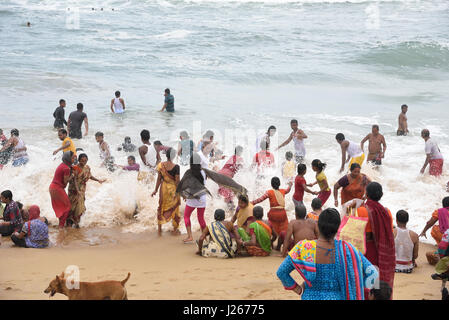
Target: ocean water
235 67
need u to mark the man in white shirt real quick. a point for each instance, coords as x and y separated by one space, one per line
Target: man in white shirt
434 158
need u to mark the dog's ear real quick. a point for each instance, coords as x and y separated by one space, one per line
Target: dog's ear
57 278
62 275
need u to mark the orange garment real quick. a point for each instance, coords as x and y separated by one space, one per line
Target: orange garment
265 226
313 216
436 232
355 189
277 215
363 212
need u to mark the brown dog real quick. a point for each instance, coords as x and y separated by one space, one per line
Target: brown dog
103 290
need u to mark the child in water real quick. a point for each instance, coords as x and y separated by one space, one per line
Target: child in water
127 146
321 180
132 165
301 186
288 167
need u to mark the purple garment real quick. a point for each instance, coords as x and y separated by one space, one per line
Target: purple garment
36 234
134 167
443 219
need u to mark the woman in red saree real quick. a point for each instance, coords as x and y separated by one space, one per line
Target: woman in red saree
234 164
277 216
380 252
353 185
59 198
169 201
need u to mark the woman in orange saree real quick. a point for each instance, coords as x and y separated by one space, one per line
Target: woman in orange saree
169 201
353 185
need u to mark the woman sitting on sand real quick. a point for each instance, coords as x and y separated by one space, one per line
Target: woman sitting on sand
34 233
331 269
442 216
353 184
258 235
244 212
169 201
59 199
234 164
277 215
77 190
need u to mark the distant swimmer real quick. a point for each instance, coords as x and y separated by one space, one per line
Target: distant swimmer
59 115
127 146
298 137
117 104
75 121
355 153
376 146
433 155
67 143
28 24
169 102
403 127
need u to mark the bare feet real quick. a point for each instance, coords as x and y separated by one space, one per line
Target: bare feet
176 232
189 239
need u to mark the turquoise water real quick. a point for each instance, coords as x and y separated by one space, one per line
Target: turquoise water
334 65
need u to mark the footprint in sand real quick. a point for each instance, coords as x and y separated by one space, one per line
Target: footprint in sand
133 285
8 288
156 283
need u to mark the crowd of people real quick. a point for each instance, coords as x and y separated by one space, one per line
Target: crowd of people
312 244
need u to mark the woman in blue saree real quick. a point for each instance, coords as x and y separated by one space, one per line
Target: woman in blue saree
331 269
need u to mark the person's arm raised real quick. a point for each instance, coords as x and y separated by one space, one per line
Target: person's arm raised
286 141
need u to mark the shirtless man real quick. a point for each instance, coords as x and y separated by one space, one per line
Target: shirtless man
117 104
403 127
298 137
376 146
300 229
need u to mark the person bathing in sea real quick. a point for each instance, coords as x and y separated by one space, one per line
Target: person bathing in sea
132 165
169 102
117 104
67 143
59 115
376 146
321 180
105 153
288 167
17 148
127 146
403 126
298 136
355 153
434 158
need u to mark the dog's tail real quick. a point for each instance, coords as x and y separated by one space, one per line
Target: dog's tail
124 281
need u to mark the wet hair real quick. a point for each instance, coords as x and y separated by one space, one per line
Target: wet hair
404 106
167 90
264 145
340 137
288 155
374 191
293 121
127 140
275 183
383 292
82 155
301 168
219 215
145 135
157 143
79 106
375 126
184 134
117 94
238 150
300 212
258 212
99 134
208 134
195 167
271 128
15 132
318 164
402 216
63 131
132 158
354 166
7 194
170 154
425 133
445 202
317 204
328 223
244 198
61 101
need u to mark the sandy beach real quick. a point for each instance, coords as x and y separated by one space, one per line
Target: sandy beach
165 268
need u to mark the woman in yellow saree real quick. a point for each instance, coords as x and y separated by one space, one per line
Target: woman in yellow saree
169 201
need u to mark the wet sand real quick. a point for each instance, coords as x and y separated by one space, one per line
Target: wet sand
165 268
